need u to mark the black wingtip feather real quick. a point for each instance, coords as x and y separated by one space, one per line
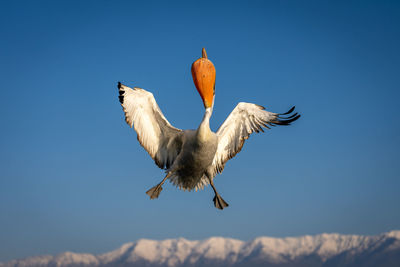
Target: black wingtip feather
290 111
121 93
291 116
286 120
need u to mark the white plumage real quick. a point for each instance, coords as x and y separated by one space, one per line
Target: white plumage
245 119
160 139
192 158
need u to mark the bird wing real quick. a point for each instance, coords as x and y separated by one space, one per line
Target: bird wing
161 140
245 119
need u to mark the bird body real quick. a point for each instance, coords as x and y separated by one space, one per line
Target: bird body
197 154
192 158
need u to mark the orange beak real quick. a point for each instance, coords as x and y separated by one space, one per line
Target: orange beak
203 72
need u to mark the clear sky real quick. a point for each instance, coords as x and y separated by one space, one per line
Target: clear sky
73 176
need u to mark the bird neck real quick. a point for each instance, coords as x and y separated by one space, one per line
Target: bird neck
204 131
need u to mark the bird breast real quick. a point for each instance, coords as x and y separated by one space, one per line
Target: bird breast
197 154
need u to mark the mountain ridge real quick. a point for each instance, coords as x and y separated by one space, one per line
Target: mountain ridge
319 250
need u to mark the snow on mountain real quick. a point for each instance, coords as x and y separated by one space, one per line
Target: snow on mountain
320 250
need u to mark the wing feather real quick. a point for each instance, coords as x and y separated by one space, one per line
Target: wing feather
159 138
245 119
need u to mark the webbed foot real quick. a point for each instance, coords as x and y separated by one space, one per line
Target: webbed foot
154 192
219 202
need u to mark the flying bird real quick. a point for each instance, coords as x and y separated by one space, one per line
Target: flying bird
192 158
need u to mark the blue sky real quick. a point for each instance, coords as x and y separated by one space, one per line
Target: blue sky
73 176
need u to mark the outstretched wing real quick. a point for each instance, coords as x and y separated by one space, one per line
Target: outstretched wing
245 119
160 139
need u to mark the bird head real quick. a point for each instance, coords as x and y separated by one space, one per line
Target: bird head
203 72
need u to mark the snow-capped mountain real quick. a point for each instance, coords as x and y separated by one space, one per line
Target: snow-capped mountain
320 250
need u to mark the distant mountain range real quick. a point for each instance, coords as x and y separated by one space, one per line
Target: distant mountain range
306 251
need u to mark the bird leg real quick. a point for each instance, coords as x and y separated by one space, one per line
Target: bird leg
219 202
155 191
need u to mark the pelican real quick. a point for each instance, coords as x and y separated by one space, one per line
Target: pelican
192 158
